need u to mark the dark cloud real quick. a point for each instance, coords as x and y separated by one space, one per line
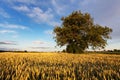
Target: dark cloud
8 43
9 49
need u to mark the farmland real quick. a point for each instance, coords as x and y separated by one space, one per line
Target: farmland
59 66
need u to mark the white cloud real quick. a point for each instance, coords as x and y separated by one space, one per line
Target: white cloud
4 14
41 16
65 7
59 8
13 26
72 1
7 31
37 14
40 47
12 29
39 42
21 8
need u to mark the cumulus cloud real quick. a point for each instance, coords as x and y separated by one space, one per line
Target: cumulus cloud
8 43
21 8
37 14
41 16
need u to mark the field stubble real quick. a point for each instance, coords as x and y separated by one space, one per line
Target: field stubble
56 66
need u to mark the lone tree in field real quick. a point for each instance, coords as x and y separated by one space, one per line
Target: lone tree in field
78 32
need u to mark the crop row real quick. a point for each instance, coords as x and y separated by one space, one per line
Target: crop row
54 66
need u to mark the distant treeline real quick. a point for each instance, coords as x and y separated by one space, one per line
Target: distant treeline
115 51
12 51
2 51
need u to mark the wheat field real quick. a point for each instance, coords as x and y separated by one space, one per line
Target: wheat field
59 66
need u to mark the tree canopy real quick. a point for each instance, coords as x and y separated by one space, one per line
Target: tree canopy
78 32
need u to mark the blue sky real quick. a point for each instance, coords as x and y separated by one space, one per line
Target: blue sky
28 24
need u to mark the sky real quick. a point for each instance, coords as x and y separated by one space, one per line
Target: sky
28 24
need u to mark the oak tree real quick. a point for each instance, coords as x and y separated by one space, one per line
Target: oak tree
78 32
